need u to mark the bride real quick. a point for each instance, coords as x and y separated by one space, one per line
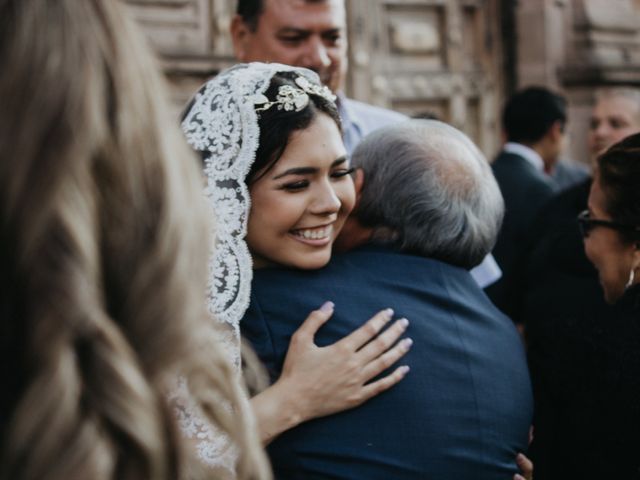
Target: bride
278 179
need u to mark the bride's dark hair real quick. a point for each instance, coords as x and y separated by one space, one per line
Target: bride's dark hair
277 125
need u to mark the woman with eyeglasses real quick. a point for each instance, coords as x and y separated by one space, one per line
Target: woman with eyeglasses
588 407
611 225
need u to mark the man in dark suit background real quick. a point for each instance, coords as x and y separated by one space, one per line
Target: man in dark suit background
428 210
533 121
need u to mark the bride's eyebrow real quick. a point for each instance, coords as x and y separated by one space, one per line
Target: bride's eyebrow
308 170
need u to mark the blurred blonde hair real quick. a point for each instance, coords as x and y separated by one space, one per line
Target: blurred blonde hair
103 233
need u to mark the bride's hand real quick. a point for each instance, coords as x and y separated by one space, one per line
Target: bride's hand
318 381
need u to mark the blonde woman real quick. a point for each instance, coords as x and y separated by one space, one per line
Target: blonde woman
102 233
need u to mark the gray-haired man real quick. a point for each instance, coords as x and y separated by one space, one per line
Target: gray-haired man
428 210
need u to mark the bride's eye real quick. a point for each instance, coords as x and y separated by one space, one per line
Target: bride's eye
343 172
295 186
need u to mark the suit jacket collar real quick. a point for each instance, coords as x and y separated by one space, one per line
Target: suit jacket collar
529 154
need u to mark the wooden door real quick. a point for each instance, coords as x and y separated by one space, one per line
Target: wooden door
437 58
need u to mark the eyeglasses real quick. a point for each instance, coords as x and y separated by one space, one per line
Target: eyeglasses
587 224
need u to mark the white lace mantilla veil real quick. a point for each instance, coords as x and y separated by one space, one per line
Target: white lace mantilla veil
222 124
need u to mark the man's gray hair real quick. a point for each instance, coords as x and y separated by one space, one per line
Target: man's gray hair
429 189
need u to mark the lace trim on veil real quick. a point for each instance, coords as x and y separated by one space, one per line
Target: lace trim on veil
221 123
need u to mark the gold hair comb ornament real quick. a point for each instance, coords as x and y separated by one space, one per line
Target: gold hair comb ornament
320 91
290 98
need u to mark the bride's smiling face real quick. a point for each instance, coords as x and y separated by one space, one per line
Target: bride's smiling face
299 206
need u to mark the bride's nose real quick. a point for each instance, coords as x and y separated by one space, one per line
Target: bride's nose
325 201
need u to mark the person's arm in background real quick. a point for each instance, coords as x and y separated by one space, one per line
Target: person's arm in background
526 468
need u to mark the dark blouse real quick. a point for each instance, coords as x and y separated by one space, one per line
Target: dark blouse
586 376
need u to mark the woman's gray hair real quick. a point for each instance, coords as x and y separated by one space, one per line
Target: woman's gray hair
428 188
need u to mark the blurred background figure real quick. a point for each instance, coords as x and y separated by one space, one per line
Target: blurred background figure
102 231
565 314
615 116
559 280
568 173
533 121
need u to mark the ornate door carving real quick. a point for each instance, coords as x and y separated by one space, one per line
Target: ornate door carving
433 57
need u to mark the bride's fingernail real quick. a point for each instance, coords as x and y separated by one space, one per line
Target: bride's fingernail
406 343
327 307
389 312
404 323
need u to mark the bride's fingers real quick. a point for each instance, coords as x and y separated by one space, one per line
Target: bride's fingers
365 333
379 386
307 331
384 341
384 361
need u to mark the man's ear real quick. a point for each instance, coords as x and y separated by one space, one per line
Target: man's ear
358 182
239 37
556 130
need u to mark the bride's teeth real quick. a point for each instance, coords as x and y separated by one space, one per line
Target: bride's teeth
314 234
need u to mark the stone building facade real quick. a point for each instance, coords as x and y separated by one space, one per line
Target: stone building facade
576 47
455 59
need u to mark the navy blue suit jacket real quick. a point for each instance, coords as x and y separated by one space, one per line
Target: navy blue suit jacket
462 412
525 190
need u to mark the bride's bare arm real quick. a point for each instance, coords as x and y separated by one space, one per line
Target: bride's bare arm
318 381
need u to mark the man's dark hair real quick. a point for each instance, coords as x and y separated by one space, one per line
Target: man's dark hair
530 113
250 11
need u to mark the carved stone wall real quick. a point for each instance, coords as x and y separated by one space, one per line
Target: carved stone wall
576 47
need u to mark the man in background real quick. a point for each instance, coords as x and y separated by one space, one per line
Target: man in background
533 121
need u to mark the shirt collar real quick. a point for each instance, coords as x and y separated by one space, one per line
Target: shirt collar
349 120
529 154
